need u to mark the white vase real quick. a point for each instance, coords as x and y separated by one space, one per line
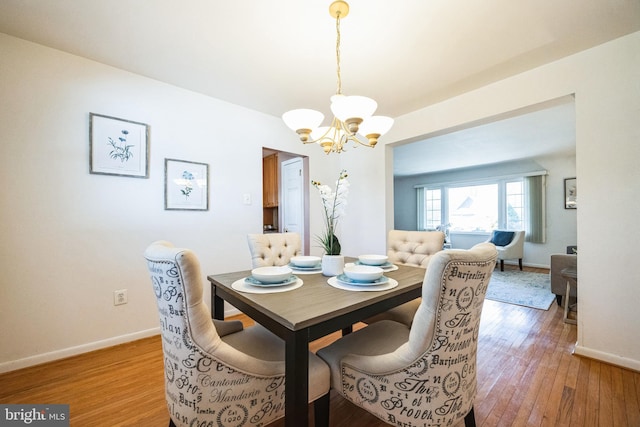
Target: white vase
332 265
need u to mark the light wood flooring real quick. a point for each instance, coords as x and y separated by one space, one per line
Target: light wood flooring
527 376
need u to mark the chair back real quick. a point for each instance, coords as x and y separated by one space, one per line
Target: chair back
203 384
413 247
273 248
431 379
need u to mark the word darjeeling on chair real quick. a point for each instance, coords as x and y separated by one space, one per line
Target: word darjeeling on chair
426 373
216 372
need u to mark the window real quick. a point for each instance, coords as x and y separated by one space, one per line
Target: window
515 205
475 208
433 208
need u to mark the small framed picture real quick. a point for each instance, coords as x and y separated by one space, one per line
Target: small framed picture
570 193
186 185
118 147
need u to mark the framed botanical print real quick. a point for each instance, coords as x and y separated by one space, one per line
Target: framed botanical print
118 147
186 185
570 193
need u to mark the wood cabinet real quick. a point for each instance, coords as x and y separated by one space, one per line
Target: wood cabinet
270 181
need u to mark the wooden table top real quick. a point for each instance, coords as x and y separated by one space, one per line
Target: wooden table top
315 301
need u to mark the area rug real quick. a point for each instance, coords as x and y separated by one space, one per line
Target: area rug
521 288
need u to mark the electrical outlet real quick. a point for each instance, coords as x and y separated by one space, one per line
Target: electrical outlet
120 297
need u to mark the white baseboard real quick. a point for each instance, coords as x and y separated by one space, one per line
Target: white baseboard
74 351
620 361
26 362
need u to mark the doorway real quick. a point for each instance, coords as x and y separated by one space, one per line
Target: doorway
286 194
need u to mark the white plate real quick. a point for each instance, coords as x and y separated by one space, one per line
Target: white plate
297 267
333 281
242 286
345 280
386 267
303 272
255 282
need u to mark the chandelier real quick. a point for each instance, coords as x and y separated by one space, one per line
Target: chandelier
353 115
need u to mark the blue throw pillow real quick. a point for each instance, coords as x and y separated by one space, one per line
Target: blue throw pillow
502 238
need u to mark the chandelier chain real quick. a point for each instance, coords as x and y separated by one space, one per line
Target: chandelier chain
339 89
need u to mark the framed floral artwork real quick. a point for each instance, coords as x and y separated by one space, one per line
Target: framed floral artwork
570 193
186 185
118 147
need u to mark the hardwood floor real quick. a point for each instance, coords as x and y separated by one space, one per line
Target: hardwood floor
527 376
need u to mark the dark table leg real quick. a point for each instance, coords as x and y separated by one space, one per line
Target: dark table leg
297 380
217 305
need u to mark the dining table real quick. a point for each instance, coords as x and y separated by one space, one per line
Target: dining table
308 312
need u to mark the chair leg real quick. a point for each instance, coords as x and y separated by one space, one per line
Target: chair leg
470 419
501 265
559 300
520 263
347 330
321 411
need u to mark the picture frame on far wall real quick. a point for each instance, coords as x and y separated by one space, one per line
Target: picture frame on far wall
570 193
186 185
118 147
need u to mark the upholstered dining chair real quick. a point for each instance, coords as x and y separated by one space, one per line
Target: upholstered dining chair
273 248
509 244
424 375
413 248
216 372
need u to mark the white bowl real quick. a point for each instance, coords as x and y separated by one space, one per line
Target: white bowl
373 259
271 274
305 261
363 273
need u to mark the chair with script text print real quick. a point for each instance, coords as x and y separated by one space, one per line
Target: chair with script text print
218 373
413 248
425 375
509 244
271 249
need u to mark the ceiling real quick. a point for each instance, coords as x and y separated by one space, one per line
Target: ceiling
275 56
538 131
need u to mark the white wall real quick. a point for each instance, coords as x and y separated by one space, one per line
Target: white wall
70 238
607 90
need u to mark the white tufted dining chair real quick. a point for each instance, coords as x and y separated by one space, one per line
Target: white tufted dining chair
273 248
425 375
413 248
219 373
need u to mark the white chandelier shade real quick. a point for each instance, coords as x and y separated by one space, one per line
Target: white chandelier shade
303 121
376 125
349 107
